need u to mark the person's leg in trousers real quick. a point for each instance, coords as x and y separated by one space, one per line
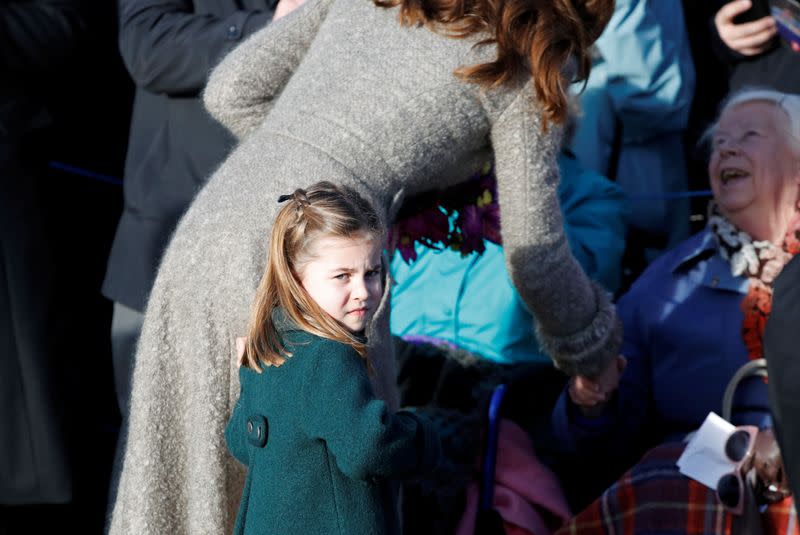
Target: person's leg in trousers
126 326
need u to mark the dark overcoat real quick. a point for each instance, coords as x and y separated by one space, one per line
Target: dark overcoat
782 351
169 48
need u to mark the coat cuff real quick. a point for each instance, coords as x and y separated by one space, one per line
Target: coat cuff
588 351
428 444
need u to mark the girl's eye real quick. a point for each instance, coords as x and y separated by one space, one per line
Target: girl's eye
750 133
341 276
373 272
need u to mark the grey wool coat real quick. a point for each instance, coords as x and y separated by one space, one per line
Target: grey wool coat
340 91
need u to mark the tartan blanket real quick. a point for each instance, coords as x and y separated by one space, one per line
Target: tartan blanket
653 497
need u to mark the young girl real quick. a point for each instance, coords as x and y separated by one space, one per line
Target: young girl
319 446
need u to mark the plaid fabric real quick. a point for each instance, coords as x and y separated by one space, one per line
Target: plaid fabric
654 498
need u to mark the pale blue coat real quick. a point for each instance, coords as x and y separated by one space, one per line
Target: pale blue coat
640 88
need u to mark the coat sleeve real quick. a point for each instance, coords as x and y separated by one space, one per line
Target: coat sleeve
575 321
242 89
365 438
38 36
170 49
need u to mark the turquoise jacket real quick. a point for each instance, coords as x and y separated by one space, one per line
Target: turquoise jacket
640 89
319 447
471 302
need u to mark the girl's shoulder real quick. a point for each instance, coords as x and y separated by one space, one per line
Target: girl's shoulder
310 355
323 356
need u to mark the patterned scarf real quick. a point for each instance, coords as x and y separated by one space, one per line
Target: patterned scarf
761 262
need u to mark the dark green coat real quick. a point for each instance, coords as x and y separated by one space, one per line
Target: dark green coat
320 447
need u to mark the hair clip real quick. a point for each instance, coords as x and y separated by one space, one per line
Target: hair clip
283 198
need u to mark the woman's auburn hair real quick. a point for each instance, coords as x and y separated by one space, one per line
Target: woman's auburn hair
324 210
534 36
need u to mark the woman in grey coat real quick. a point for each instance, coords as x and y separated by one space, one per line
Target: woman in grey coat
340 90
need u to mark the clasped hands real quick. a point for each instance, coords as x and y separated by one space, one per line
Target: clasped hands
591 394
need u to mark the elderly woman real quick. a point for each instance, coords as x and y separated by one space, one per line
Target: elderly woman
693 318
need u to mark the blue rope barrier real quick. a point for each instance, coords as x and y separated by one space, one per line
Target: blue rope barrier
672 195
85 173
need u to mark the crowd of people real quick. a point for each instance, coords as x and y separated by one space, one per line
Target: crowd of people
345 225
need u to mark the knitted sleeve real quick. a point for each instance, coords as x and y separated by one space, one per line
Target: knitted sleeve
243 87
575 319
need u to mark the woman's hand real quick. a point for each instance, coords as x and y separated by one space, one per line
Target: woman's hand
591 394
285 7
749 38
768 463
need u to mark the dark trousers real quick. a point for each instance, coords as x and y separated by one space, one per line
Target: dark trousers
126 326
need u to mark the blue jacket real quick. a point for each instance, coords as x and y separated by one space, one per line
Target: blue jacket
683 344
641 88
471 302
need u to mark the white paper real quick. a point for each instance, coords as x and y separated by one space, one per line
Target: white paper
704 458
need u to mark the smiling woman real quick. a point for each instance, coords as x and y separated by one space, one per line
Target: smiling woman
755 162
694 318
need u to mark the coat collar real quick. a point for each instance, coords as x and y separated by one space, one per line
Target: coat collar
285 325
701 261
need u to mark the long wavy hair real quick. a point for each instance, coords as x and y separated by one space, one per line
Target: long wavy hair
324 210
531 36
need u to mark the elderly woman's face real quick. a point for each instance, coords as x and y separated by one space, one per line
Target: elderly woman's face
753 167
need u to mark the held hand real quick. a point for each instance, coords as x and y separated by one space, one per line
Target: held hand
768 463
749 38
591 394
285 7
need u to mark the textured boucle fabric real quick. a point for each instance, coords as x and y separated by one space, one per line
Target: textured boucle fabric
338 91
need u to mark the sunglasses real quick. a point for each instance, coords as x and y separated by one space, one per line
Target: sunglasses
739 449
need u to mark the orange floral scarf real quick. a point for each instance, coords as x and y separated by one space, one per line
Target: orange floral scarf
761 262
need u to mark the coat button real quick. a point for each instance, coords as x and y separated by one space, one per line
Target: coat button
257 430
233 33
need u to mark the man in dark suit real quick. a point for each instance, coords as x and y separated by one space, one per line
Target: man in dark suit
782 351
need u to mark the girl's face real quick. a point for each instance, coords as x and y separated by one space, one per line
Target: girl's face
344 278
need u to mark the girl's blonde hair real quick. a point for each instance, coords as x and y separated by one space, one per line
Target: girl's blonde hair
324 210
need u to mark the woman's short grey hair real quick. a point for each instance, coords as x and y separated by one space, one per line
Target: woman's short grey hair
789 103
